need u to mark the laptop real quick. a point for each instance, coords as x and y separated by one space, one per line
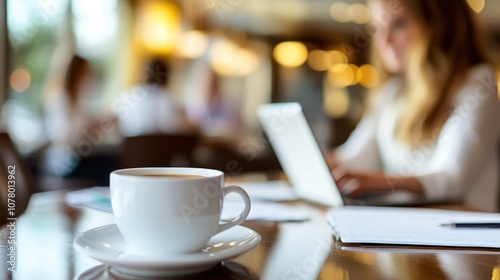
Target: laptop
305 166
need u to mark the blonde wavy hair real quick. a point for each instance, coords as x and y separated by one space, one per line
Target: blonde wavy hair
449 47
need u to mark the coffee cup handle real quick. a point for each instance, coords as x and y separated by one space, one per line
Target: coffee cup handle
243 215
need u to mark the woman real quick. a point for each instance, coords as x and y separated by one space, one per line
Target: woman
76 134
433 128
67 115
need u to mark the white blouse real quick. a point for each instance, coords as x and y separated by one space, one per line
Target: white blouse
463 164
152 110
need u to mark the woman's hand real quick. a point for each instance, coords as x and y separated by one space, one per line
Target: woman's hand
331 159
355 184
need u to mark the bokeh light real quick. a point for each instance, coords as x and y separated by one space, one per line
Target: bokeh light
246 62
367 76
228 59
321 60
337 59
193 44
476 5
290 54
342 75
159 25
318 60
340 12
359 13
20 80
336 101
222 57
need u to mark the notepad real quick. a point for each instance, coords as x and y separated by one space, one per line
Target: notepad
411 226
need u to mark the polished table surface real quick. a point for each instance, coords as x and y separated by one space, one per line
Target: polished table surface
289 250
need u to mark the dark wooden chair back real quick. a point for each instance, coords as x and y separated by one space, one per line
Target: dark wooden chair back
158 150
16 182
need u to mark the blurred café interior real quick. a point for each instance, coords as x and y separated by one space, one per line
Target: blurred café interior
89 86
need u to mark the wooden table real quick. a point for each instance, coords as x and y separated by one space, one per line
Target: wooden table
292 250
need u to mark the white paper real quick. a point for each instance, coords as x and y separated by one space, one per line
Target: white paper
416 250
268 190
412 226
265 211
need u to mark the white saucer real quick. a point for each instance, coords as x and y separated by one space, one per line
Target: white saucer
106 244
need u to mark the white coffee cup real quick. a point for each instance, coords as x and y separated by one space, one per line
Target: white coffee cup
170 215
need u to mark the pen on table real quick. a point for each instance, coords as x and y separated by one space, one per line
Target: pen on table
472 225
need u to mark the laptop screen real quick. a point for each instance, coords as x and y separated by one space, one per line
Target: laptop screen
299 153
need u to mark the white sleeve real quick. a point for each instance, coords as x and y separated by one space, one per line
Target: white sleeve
360 151
58 121
467 143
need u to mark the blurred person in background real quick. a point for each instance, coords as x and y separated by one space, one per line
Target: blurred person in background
78 137
67 111
68 107
432 127
214 114
149 107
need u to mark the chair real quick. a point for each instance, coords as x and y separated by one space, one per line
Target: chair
16 182
157 150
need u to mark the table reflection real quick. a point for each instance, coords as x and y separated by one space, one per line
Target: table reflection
226 270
